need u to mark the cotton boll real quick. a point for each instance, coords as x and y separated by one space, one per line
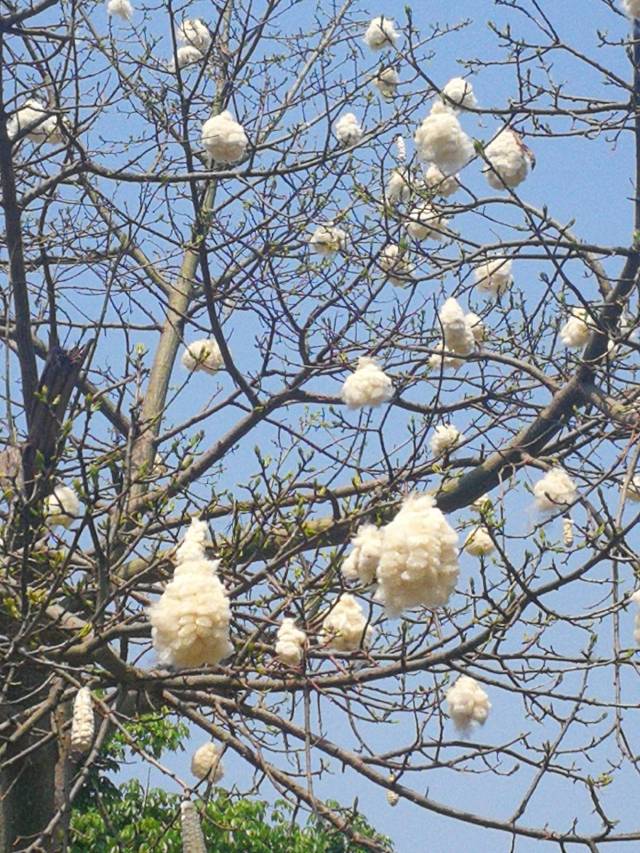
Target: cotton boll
468 703
443 185
120 8
459 95
554 490
445 438
631 8
443 358
479 543
192 837
62 507
636 627
576 331
567 531
347 129
35 119
344 628
190 622
395 264
362 562
441 140
291 643
194 32
82 721
401 148
206 763
476 327
386 82
381 33
419 561
399 186
494 276
327 240
186 55
196 540
392 798
203 355
509 160
457 333
425 221
224 139
368 385
633 489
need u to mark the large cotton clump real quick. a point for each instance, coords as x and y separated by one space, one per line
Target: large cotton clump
445 438
555 490
441 140
362 563
468 703
381 33
386 82
443 358
62 507
203 355
636 624
186 55
328 239
34 119
120 8
576 331
419 560
396 265
82 721
509 160
426 222
399 186
224 139
192 837
344 628
494 276
290 643
347 129
479 542
631 8
457 332
190 622
194 32
368 385
443 185
476 326
206 763
458 94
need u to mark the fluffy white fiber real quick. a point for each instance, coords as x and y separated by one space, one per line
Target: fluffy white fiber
479 543
82 721
426 222
381 33
468 703
631 8
186 55
386 82
567 531
555 490
290 643
362 562
344 628
476 326
419 561
194 32
62 507
327 240
459 94
120 8
203 355
443 185
36 119
347 129
576 331
443 358
190 622
636 625
441 140
445 437
401 148
206 763
224 139
392 798
192 837
395 264
508 159
633 489
494 276
368 385
399 186
457 332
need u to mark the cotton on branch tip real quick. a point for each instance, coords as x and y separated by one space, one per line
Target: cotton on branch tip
441 140
203 355
386 82
368 385
443 185
381 33
347 129
344 628
458 334
121 9
195 33
224 139
206 763
445 437
82 721
494 276
635 598
366 547
576 331
35 119
425 221
468 703
61 507
328 239
399 186
396 265
509 160
555 490
479 543
186 55
291 642
458 94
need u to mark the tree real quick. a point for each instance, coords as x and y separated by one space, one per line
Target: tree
207 225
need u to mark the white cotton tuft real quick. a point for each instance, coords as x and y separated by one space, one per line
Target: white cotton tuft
347 129
203 355
368 385
468 703
508 159
395 264
445 438
426 222
443 358
206 763
386 82
392 798
636 626
479 543
459 94
567 531
344 628
401 148
399 186
631 8
555 490
62 507
476 327
381 33
186 55
82 721
290 643
441 140
419 561
443 185
192 837
576 331
633 489
224 139
327 240
494 276
195 33
190 622
36 121
457 333
362 562
120 8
